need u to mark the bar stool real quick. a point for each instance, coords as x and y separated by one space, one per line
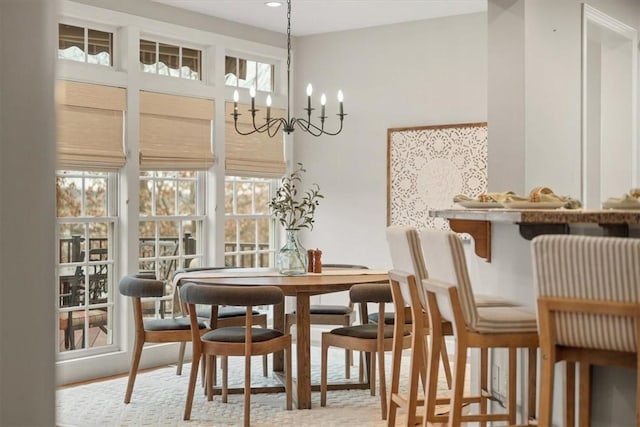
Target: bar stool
409 302
450 298
589 312
406 255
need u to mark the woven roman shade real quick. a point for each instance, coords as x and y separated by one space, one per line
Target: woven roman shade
256 155
90 126
175 132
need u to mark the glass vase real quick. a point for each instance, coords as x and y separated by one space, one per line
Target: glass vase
292 258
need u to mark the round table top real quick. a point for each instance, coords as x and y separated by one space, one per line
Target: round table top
303 283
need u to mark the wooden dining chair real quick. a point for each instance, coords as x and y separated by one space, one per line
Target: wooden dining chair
450 298
588 297
331 315
244 340
226 316
374 339
151 330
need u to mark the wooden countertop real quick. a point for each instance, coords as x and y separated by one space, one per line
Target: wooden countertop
544 216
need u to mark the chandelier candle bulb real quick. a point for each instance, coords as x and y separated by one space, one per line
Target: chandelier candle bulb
236 97
309 92
252 93
323 102
268 108
340 99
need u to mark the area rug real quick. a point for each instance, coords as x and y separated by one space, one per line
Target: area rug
159 397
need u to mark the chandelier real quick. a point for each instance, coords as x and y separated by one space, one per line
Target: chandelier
273 124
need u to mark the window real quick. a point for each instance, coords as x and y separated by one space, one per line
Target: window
85 274
85 45
246 73
170 60
248 226
171 224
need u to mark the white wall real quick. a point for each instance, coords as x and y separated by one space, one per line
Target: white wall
27 212
545 133
421 73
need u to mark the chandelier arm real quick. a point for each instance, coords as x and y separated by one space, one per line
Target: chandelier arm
280 122
261 129
313 129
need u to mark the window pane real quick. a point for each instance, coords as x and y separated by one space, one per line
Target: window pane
148 56
244 197
146 188
100 327
190 237
165 197
168 60
265 77
147 234
98 252
230 228
247 76
247 233
68 196
191 60
187 198
231 71
96 197
71 42
71 242
228 197
99 47
262 197
263 237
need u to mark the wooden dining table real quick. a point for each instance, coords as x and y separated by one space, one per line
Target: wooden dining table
301 287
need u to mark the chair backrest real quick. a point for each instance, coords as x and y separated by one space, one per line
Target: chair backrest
370 292
601 269
141 285
406 255
445 260
192 293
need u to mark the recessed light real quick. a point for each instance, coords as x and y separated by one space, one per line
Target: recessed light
273 3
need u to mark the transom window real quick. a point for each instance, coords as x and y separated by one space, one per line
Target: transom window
85 274
248 226
246 73
85 45
170 60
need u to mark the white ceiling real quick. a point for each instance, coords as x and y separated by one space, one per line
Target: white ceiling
324 16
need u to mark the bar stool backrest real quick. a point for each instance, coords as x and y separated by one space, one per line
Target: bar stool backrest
445 260
406 255
604 270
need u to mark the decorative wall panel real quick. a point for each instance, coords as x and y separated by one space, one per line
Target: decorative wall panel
428 165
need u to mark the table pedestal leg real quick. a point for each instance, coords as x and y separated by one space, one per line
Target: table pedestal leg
303 351
278 323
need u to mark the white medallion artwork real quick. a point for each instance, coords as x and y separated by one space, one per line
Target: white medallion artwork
429 165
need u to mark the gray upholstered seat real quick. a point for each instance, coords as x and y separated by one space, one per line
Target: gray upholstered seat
181 323
237 334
